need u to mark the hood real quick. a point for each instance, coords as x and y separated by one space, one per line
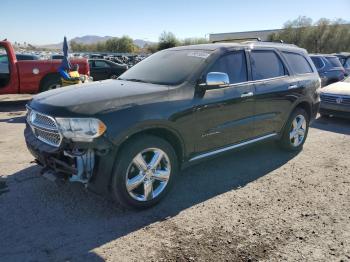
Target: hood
339 88
97 97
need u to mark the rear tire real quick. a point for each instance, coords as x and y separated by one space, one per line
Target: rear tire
50 82
295 131
139 183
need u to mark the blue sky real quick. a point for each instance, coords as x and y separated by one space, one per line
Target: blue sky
46 22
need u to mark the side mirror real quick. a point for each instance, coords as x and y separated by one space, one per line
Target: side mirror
217 80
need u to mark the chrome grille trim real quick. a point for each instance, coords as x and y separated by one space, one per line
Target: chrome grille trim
44 127
332 99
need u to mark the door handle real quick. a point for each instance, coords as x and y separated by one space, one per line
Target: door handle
247 94
293 86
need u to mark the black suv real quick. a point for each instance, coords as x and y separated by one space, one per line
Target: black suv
130 136
329 68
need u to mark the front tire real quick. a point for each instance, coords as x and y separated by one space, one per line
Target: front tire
295 131
144 172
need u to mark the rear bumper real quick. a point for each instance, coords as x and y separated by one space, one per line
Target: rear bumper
66 165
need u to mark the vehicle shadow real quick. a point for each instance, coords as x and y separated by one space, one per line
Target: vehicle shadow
332 124
41 221
14 119
11 106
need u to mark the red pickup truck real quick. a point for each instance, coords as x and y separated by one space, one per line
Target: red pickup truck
30 77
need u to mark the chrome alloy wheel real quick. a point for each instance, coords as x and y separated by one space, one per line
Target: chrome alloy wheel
148 174
298 130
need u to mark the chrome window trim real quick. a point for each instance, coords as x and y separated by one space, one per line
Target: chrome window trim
253 82
221 150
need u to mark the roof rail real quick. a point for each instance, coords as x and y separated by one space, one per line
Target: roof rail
270 42
237 40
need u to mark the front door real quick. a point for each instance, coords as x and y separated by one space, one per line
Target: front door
224 116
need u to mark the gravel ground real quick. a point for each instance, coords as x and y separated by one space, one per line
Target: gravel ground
256 204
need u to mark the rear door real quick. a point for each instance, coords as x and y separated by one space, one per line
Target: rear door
273 87
224 116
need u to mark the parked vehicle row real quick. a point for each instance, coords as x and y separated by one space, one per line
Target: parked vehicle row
128 137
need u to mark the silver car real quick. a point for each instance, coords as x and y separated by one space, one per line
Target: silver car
335 99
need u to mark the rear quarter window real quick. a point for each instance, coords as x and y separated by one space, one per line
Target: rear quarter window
298 63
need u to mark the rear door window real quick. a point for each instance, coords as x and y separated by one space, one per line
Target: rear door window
298 63
266 64
234 65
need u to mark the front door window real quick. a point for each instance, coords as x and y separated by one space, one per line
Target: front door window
4 67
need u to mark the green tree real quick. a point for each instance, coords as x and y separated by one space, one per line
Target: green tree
323 36
167 40
194 41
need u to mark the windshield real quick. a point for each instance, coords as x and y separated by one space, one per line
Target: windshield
168 67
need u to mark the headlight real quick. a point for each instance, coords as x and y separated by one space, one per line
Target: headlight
81 129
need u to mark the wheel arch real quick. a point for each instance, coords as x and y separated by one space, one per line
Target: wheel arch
304 104
46 78
166 133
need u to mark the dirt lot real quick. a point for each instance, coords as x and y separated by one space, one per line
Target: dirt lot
256 204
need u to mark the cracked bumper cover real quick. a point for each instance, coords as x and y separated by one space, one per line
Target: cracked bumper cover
54 159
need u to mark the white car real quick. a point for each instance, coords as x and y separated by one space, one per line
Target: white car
335 99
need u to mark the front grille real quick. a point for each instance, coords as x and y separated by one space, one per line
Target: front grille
44 128
335 99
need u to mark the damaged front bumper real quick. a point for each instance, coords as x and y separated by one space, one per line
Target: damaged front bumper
89 163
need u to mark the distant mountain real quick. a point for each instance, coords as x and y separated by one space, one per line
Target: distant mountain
90 39
93 39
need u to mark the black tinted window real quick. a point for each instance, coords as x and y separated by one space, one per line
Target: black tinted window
266 64
298 63
317 61
234 65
